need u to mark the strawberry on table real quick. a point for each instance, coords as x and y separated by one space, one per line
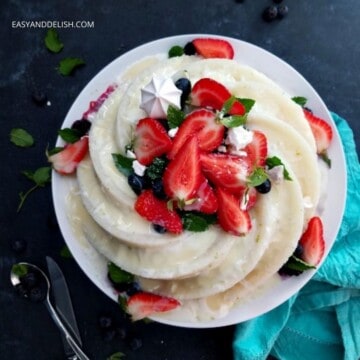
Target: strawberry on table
156 211
182 177
201 123
151 140
226 170
207 92
143 304
66 161
257 150
231 217
321 130
312 241
213 48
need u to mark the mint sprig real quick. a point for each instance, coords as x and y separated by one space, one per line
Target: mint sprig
156 169
21 138
271 162
52 41
123 164
197 222
118 275
231 121
300 100
257 177
295 263
174 117
69 135
175 50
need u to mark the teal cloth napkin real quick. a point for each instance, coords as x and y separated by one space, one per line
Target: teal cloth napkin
322 321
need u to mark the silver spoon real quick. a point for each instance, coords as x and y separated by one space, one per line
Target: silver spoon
15 281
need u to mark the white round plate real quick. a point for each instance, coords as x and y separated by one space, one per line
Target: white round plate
94 265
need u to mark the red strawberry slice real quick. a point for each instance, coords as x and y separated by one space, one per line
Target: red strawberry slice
213 48
151 140
182 177
321 130
228 171
257 150
312 241
202 122
207 92
156 211
66 161
231 218
206 200
143 304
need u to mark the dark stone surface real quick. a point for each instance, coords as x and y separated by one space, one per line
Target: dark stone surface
319 40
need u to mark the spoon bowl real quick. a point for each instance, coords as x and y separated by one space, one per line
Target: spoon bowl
31 282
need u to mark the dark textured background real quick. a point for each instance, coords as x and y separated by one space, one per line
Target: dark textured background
319 38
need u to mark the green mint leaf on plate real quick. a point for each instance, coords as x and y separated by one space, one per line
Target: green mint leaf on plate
156 169
231 121
68 65
66 253
294 263
19 269
122 302
325 157
257 177
118 275
174 117
123 164
52 41
175 51
271 162
197 222
116 356
300 100
69 135
21 138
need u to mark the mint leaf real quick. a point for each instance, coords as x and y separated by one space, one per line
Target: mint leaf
65 252
325 157
275 161
300 100
197 222
294 263
156 169
248 104
118 275
257 177
69 135
175 51
116 356
54 151
174 117
21 138
68 65
122 302
231 121
19 269
52 41
123 164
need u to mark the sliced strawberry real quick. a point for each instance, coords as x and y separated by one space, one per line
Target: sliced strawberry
248 198
213 48
202 123
156 211
228 171
257 150
231 218
151 140
207 92
182 177
321 130
143 304
206 200
312 241
66 161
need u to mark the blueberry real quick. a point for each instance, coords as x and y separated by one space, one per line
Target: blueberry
19 245
37 294
270 13
135 343
133 288
158 228
29 280
39 97
184 85
282 11
158 189
81 126
264 188
105 321
189 49
137 183
299 251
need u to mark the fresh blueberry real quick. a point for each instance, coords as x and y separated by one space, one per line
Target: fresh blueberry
270 13
133 288
264 188
39 97
135 343
282 11
19 245
137 183
189 49
105 321
158 189
184 85
29 280
37 294
81 126
158 228
299 251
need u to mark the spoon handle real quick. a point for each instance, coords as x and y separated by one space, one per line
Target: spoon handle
75 347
